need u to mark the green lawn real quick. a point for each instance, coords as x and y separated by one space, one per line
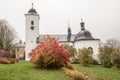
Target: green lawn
99 71
26 71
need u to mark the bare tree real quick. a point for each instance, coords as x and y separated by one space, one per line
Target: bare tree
7 35
113 43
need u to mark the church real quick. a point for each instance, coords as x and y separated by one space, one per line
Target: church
80 40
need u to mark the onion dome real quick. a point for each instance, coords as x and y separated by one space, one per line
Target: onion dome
32 10
83 34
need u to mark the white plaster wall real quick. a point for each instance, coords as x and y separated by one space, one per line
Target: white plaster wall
31 35
88 43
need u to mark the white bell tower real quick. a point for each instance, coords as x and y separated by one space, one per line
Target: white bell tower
31 31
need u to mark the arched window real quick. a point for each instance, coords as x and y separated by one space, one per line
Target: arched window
32 22
90 48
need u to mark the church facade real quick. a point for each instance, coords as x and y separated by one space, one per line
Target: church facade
80 40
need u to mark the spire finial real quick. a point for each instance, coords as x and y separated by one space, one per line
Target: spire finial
82 25
32 5
68 24
81 19
69 32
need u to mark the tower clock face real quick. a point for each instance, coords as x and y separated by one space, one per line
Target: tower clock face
32 27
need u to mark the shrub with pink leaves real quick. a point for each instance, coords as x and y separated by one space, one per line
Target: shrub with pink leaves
4 53
50 54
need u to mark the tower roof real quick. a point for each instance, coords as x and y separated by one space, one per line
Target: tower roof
83 34
32 10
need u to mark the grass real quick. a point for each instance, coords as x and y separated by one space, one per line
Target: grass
99 71
26 71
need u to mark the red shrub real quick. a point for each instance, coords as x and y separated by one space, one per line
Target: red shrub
4 61
4 53
49 54
16 60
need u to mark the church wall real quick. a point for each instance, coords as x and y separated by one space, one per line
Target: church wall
88 43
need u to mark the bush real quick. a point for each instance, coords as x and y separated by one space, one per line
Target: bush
95 62
12 61
5 57
71 49
105 56
16 60
78 75
50 54
115 59
4 53
75 61
75 75
4 60
47 62
69 66
85 56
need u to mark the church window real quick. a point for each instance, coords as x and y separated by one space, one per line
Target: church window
32 22
32 27
91 49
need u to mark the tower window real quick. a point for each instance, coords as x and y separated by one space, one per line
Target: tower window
32 22
32 27
91 49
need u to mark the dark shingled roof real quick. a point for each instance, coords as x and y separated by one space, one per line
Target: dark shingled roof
61 38
83 35
32 10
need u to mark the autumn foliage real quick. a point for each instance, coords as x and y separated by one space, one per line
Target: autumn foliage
5 57
85 56
4 60
4 53
49 54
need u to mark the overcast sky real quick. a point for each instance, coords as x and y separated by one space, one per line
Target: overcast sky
101 17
